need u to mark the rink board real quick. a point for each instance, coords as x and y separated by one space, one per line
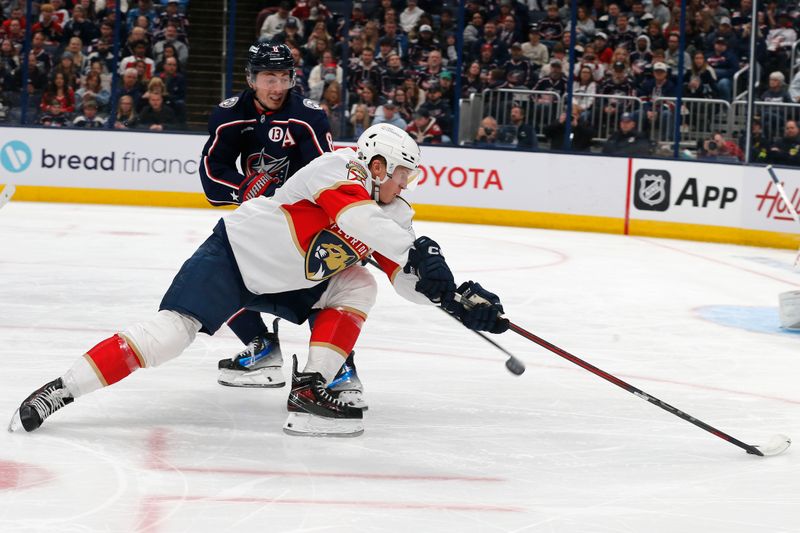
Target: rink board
678 199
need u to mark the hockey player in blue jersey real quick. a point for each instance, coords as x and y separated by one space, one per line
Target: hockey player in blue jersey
272 131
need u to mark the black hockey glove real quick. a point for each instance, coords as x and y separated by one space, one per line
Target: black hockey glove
261 184
427 262
477 309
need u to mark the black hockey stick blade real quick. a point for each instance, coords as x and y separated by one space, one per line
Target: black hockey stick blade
774 446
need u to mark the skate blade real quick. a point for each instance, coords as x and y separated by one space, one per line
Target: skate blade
353 398
262 378
16 422
308 425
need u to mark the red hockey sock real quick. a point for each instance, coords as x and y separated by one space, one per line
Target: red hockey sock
337 329
113 359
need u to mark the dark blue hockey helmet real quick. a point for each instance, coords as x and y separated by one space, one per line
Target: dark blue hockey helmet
266 55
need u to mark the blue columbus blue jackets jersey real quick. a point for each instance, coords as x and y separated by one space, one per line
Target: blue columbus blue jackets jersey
276 142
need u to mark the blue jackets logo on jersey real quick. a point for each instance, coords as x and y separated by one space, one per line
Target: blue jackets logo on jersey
262 162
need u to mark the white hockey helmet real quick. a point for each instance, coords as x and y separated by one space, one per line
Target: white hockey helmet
395 146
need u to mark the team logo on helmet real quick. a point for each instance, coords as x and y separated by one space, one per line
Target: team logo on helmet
263 162
311 103
230 102
356 172
329 254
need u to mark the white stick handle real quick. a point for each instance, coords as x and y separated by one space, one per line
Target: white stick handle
782 192
6 194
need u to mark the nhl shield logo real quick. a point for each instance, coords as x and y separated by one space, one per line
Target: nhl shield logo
652 190
327 255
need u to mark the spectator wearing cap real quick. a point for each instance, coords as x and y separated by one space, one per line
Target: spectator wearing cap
519 66
628 140
604 52
559 54
387 114
409 17
438 108
726 31
651 90
173 14
275 22
725 64
553 82
69 69
447 84
424 128
421 47
551 28
536 52
292 33
581 132
759 142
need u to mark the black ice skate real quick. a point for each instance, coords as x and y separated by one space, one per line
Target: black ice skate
346 386
42 403
315 412
260 364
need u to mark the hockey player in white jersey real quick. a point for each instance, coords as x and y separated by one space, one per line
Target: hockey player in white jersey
344 208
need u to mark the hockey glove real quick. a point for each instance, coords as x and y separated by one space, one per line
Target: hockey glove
261 184
427 262
477 308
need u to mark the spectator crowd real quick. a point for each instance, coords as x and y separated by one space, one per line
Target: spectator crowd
70 64
399 61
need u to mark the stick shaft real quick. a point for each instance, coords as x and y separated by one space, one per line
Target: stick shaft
630 388
782 192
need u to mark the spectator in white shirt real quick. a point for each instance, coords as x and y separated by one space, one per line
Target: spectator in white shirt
410 16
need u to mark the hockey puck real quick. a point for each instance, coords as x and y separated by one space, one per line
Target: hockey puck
515 366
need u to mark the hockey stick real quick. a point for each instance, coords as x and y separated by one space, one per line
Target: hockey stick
786 201
514 365
6 194
777 444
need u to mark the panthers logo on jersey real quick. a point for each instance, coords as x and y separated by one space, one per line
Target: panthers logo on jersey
356 172
263 162
332 251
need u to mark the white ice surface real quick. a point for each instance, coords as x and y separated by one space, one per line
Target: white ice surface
453 442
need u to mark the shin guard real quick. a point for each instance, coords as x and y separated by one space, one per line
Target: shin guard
113 359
